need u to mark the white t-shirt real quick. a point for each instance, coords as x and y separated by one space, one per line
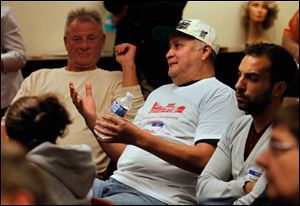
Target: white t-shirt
186 114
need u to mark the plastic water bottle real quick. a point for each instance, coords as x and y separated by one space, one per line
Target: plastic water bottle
118 107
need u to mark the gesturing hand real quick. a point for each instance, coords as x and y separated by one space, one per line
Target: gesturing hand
85 105
125 54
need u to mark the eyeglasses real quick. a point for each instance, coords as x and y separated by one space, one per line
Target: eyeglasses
277 147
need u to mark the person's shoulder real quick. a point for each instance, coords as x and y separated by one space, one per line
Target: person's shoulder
242 121
164 88
47 71
214 82
5 9
296 15
4 6
47 149
222 85
236 128
216 87
44 75
79 147
41 147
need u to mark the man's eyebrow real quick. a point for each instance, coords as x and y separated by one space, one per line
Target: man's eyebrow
261 72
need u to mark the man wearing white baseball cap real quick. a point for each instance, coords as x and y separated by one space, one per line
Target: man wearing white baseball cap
176 131
192 27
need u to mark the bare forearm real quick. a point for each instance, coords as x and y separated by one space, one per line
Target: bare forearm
191 158
187 157
113 150
129 76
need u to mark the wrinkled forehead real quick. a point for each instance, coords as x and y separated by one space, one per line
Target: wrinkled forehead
84 26
83 23
87 21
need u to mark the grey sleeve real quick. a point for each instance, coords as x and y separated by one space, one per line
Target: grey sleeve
12 48
216 179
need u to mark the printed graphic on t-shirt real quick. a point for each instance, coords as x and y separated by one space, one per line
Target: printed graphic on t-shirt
162 117
170 108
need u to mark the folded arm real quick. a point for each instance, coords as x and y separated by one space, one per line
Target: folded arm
216 179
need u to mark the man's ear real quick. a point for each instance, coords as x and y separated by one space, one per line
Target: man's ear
206 51
279 88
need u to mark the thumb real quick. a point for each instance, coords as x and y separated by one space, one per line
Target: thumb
88 89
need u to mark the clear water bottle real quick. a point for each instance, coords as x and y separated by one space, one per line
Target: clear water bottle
118 107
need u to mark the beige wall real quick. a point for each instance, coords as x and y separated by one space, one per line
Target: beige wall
42 22
224 16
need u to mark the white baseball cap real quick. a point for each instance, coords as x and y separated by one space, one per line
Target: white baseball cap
192 27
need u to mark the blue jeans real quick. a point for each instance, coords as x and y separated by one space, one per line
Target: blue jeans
121 194
217 201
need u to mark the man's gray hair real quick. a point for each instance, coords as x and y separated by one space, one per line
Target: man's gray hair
83 14
200 44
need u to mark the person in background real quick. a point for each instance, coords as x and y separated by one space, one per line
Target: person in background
175 132
21 182
281 159
84 40
257 17
134 22
13 57
290 37
231 175
36 122
290 41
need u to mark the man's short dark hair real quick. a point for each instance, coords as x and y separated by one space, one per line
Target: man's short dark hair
282 65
